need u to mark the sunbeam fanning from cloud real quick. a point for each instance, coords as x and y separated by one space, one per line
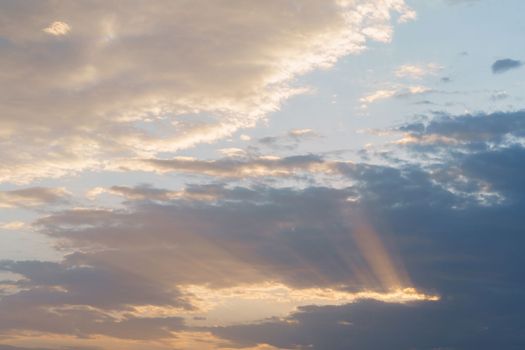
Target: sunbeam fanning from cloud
386 271
262 175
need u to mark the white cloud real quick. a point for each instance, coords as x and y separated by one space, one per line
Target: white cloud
378 95
417 71
397 91
302 132
57 28
161 76
233 152
13 225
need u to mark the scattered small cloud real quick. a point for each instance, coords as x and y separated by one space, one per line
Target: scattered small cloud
33 197
417 71
13 225
499 95
232 152
290 140
504 65
302 132
400 92
58 28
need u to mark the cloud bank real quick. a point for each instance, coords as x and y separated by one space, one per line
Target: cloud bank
102 80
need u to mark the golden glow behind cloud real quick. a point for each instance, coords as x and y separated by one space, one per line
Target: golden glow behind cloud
250 303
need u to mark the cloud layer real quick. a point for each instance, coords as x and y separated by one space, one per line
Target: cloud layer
103 80
173 230
398 225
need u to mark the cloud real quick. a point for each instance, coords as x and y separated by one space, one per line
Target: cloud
500 169
420 250
33 197
57 28
504 65
302 133
13 225
143 272
8 347
223 237
290 140
449 243
110 287
399 92
468 144
499 95
158 266
149 77
255 167
378 326
146 192
302 240
417 71
468 129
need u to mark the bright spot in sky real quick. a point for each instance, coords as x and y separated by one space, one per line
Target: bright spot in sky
58 28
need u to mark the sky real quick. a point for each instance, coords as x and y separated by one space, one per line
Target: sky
262 175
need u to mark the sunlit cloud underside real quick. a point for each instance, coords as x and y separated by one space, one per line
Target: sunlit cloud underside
262 175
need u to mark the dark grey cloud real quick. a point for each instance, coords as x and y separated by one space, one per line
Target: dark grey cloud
470 129
479 154
379 326
504 65
467 251
501 169
70 299
109 288
85 323
468 255
258 232
455 227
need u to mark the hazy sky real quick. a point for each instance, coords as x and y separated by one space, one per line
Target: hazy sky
278 174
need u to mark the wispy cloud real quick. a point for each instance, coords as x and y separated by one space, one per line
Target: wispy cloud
124 84
398 91
417 71
32 197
